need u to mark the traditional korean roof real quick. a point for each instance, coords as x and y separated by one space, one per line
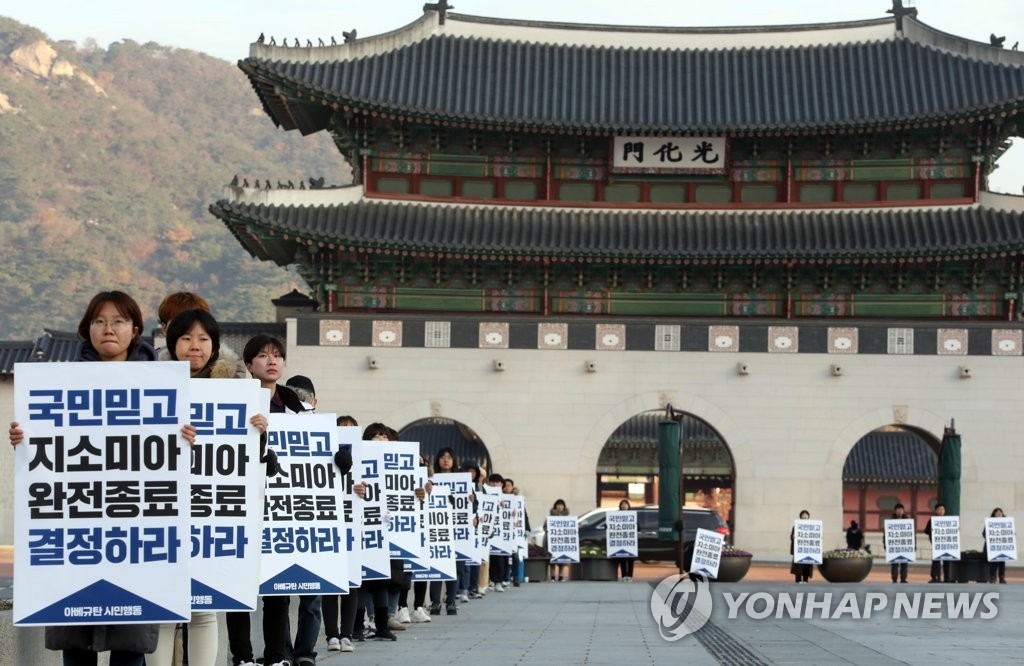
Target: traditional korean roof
891 457
14 351
284 233
482 72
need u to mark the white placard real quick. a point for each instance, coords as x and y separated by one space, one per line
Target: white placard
227 494
518 504
304 549
563 539
703 154
807 541
438 537
707 552
900 542
1000 539
375 546
487 509
101 489
621 534
400 464
945 537
503 536
459 487
351 509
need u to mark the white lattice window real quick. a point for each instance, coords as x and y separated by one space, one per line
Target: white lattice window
438 334
666 337
901 341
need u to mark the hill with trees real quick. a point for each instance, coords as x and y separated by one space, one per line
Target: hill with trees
109 159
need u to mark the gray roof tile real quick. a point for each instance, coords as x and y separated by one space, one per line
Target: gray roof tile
614 89
838 234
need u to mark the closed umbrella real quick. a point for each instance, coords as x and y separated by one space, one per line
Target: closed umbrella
949 470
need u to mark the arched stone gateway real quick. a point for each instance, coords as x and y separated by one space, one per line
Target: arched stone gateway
888 465
627 467
436 433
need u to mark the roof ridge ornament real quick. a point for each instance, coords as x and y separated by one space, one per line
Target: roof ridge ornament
898 11
441 7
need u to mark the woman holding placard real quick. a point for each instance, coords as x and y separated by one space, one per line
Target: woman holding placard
802 572
110 330
995 569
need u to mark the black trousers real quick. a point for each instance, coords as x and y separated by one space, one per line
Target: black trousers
239 638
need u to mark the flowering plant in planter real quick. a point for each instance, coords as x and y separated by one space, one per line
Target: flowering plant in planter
845 554
597 550
734 565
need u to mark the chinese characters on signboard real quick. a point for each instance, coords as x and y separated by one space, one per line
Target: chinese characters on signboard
656 154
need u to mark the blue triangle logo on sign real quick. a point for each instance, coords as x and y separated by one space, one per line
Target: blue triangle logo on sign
900 559
399 553
217 599
373 574
415 567
808 560
562 559
622 553
108 598
298 580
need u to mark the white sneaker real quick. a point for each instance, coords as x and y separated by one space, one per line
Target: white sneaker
333 645
420 615
394 624
403 615
499 588
346 645
464 597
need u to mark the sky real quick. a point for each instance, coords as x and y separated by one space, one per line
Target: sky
225 28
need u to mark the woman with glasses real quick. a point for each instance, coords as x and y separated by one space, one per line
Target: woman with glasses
110 330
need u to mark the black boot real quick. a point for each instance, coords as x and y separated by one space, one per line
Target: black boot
380 618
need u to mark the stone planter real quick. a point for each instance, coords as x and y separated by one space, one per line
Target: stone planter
733 569
597 568
536 568
970 569
845 569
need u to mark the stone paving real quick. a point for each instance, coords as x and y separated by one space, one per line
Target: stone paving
611 623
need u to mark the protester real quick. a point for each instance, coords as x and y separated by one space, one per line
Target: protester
626 563
444 463
473 570
557 509
339 612
996 570
939 567
194 336
802 572
899 569
110 330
